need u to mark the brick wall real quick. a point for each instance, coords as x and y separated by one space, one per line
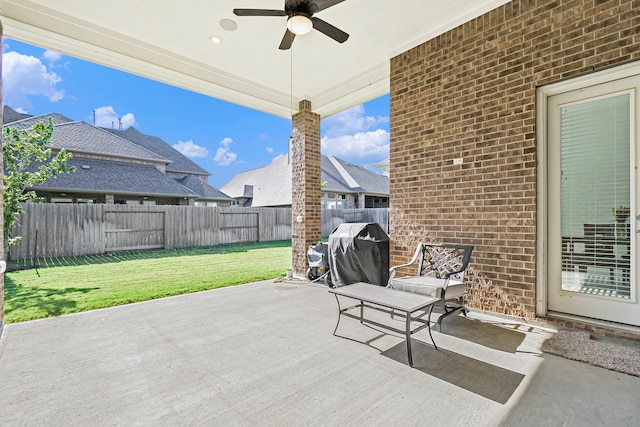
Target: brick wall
470 94
305 185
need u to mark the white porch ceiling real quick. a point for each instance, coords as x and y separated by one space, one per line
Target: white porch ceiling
168 41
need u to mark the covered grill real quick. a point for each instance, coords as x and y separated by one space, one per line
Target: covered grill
359 252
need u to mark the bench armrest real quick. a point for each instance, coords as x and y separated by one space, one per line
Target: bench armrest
392 270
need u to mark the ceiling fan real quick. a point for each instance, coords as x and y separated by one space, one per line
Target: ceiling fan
300 19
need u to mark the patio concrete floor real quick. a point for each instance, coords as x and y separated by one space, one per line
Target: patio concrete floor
264 354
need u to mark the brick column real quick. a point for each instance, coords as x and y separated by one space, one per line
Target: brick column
1 201
305 185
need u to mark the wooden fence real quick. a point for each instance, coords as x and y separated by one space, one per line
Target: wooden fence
56 230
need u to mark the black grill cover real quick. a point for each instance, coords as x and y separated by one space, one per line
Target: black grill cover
359 252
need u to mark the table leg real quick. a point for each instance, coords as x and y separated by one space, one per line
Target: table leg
408 334
339 314
429 327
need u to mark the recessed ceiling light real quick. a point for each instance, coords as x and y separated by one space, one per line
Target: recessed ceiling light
215 39
228 24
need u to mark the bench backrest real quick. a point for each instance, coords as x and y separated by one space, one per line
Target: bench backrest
444 261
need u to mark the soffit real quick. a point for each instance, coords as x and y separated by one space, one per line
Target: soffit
168 41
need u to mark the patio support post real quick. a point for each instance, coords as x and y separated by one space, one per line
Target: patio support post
1 201
306 224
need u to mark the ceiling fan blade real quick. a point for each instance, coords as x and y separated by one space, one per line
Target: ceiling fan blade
287 40
328 29
318 5
259 12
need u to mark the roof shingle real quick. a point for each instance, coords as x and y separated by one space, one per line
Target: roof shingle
204 190
76 136
106 176
179 162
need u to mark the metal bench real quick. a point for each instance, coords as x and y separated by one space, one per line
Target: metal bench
440 269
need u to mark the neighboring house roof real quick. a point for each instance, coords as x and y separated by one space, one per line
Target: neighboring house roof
356 178
331 176
271 185
385 165
10 115
180 162
84 138
28 121
204 190
107 176
127 163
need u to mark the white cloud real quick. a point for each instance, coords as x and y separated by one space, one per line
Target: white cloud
189 149
108 118
224 156
51 56
355 137
270 150
351 121
362 147
25 76
21 110
263 136
128 120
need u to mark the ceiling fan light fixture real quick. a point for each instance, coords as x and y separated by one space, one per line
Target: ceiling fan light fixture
299 24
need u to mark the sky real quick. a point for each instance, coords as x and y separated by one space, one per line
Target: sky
221 137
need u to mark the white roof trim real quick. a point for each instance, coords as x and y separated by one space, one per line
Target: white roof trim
352 183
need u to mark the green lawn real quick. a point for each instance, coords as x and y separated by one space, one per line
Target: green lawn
70 285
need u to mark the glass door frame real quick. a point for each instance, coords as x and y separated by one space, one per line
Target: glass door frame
543 194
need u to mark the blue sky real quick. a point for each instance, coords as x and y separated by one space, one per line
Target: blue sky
221 137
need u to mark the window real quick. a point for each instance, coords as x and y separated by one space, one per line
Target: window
336 201
334 204
376 202
595 192
61 200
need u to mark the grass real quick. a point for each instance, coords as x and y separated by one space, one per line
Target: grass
74 284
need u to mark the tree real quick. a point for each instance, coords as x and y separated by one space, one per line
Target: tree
28 162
